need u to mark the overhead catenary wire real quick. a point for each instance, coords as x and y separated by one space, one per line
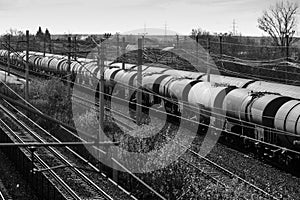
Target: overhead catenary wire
218 114
285 133
232 133
192 108
87 70
240 63
91 73
238 177
214 67
246 45
213 113
209 64
123 167
134 88
260 141
212 41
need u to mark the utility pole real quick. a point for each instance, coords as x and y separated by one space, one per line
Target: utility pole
166 27
287 54
207 59
145 29
69 66
118 45
50 46
143 42
101 85
100 59
27 67
177 41
75 46
221 46
233 27
287 46
287 35
17 46
139 82
123 51
197 49
8 57
44 47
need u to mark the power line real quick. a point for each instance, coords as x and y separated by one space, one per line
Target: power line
191 110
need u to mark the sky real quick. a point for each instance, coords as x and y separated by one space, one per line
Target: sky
98 16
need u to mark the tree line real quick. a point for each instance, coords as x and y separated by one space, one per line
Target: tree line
279 22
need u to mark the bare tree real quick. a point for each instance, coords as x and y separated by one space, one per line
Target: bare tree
199 32
280 22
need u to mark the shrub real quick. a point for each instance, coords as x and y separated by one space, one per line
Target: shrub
52 98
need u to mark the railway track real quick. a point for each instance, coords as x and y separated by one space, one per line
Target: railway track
20 73
84 102
216 173
2 196
66 173
221 176
210 169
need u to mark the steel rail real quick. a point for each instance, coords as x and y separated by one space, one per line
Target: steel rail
58 155
67 189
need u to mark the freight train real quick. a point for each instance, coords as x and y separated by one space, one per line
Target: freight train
258 115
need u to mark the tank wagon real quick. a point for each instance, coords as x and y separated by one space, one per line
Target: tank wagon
258 115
